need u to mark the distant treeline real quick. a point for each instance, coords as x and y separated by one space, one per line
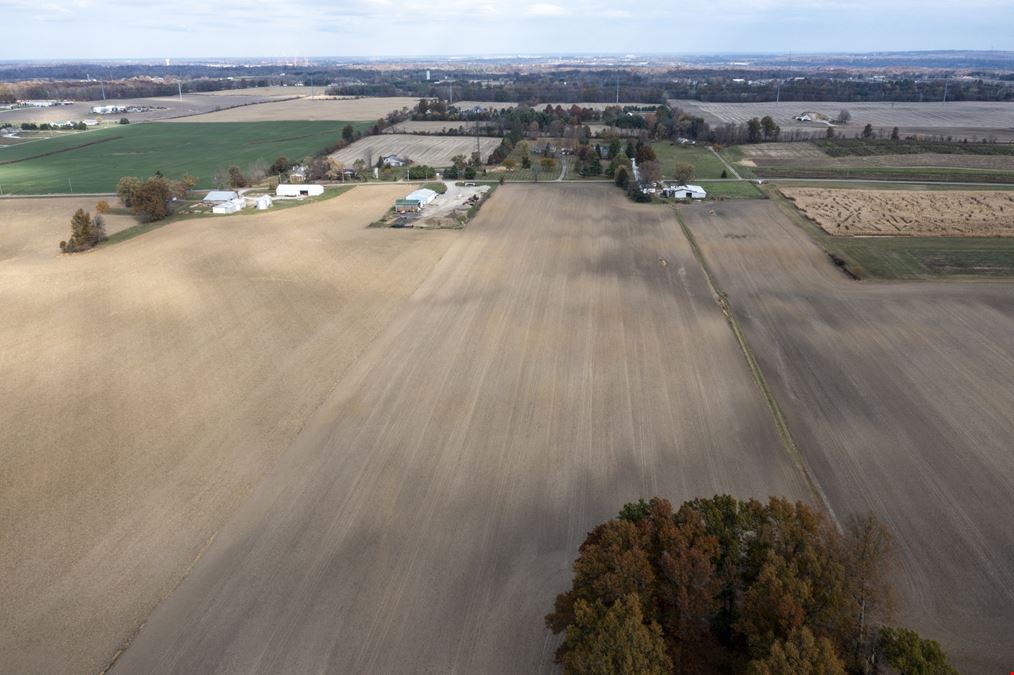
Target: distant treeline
566 85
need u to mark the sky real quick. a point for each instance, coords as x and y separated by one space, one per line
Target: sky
110 29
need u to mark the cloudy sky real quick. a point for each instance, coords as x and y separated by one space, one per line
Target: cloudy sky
44 29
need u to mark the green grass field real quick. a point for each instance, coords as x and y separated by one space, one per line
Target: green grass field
706 165
94 161
912 258
731 189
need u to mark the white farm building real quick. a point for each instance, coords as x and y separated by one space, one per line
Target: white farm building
231 206
423 195
304 190
219 196
685 192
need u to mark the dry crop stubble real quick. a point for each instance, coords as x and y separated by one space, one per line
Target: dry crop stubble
564 357
899 396
147 386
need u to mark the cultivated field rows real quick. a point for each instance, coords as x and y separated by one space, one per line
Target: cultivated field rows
564 357
807 155
899 396
431 150
955 213
191 104
146 387
311 110
968 114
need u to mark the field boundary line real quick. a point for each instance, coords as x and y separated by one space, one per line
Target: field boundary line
782 426
57 152
727 165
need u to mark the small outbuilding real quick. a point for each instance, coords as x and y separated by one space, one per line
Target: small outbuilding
220 196
304 190
685 192
231 206
263 203
406 206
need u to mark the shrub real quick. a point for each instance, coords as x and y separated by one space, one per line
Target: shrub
124 120
102 207
126 188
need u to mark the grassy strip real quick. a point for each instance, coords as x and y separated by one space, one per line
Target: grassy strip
886 173
788 442
868 147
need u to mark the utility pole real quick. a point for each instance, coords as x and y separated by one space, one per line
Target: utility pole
179 86
103 85
946 82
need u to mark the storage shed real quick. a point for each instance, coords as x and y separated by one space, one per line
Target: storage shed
685 192
423 195
231 206
219 196
306 190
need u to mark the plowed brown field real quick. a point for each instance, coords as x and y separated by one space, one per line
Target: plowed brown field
564 357
145 387
900 397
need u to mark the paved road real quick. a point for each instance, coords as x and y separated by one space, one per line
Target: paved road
564 357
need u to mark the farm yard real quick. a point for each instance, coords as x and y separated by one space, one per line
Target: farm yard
972 119
304 109
706 164
165 107
896 212
546 371
435 151
95 161
147 386
898 396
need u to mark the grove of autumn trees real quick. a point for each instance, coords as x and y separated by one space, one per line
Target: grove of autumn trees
85 232
728 586
150 199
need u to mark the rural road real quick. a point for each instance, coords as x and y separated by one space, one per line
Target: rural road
564 357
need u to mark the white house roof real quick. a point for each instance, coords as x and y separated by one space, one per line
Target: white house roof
220 196
423 195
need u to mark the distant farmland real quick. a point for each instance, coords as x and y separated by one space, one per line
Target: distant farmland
94 161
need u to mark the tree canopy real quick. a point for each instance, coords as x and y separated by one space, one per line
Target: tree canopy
730 586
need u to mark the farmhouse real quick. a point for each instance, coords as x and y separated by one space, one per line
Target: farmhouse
220 196
392 160
685 192
288 190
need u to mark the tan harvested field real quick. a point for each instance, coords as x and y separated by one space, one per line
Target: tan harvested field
432 150
899 396
429 127
172 106
31 229
311 110
806 155
957 118
954 213
147 386
564 357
